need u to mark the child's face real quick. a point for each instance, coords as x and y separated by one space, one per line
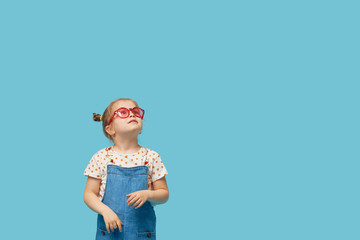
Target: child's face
124 125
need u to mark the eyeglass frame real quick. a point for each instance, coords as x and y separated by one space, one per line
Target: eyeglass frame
129 110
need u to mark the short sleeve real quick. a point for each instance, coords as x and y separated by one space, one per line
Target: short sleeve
158 169
93 169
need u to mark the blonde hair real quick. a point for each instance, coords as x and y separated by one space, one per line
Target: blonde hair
105 117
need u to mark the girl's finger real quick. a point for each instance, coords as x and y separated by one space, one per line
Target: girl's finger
137 203
119 224
114 225
130 194
138 206
133 200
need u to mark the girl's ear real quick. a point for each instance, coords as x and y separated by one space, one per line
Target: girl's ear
109 130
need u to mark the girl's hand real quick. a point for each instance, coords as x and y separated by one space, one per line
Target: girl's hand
138 197
111 220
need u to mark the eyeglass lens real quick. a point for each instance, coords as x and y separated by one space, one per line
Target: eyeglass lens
123 113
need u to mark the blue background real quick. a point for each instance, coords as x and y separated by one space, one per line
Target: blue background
252 105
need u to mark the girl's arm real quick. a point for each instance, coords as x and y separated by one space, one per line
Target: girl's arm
160 194
90 195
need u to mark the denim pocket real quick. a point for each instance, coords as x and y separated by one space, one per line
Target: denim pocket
146 235
102 234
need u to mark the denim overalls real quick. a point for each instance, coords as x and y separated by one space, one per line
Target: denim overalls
138 223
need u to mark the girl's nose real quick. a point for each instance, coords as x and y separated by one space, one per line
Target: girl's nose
132 114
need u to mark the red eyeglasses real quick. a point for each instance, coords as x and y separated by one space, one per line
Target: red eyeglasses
125 112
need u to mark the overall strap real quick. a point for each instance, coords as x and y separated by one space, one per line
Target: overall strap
146 153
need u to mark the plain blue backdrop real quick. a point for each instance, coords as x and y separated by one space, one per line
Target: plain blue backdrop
252 105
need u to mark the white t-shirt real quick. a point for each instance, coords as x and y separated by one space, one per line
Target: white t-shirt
97 167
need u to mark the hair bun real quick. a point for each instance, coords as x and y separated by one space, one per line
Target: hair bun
97 117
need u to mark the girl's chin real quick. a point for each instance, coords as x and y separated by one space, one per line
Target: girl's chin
134 131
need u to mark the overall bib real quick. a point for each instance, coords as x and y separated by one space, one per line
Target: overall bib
138 223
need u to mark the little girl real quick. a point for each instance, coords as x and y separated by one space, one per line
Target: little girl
125 180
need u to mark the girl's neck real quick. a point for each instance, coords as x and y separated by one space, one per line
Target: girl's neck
126 149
